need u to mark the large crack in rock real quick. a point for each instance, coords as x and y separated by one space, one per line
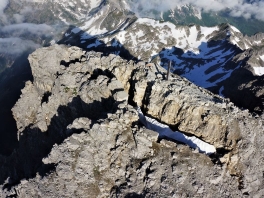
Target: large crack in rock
80 136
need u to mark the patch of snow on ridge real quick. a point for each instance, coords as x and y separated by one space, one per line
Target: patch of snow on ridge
208 30
165 131
95 3
92 27
188 39
262 57
76 30
257 42
192 39
234 29
126 6
259 71
97 43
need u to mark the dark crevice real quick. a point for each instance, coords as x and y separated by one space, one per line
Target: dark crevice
149 171
134 195
45 97
145 100
116 191
98 72
46 169
116 139
67 64
246 193
131 89
220 152
133 125
241 182
141 163
215 158
116 90
58 74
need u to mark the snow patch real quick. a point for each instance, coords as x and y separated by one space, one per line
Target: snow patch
97 43
257 42
262 57
94 3
76 30
259 71
208 30
165 131
234 29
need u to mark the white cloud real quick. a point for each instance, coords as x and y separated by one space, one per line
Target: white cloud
17 34
237 8
3 4
16 46
22 28
19 18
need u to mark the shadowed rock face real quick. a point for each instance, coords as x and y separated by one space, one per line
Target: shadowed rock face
79 134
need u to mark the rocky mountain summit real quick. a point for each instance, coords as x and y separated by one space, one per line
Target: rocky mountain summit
80 135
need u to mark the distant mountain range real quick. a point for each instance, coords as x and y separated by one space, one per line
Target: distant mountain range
187 14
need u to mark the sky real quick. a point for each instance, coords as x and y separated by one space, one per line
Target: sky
237 8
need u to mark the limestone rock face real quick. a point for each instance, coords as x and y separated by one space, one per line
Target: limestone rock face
27 107
187 108
79 134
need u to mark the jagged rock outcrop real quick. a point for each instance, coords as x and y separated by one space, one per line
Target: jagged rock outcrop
79 134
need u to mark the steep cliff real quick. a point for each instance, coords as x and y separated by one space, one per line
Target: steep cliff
80 135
